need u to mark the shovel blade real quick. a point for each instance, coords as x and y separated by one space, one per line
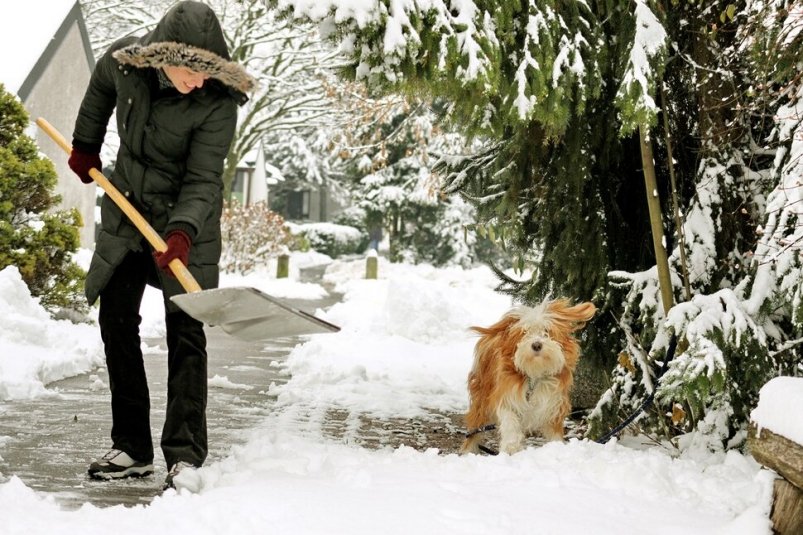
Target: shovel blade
250 314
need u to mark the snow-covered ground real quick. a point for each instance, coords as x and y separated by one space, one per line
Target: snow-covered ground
403 350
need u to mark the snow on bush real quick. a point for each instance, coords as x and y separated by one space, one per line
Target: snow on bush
332 239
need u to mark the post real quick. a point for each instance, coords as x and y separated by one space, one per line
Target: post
371 265
283 267
654 205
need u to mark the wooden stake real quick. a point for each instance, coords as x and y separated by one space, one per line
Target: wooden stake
371 267
675 205
283 267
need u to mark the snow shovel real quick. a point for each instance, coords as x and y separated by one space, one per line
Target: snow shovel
243 312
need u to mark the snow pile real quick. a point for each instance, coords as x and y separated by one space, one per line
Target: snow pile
35 349
406 333
779 406
288 485
219 381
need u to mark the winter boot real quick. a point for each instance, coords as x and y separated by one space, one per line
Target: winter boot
117 464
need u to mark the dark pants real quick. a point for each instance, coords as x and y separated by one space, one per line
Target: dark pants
184 432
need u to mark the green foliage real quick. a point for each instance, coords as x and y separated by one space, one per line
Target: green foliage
503 64
731 339
721 362
34 237
644 65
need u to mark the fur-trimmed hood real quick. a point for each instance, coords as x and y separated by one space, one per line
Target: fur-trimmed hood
189 35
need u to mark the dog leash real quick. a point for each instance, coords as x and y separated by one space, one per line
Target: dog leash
670 354
485 428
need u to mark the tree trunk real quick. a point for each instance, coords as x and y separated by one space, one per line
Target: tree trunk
228 175
716 94
654 204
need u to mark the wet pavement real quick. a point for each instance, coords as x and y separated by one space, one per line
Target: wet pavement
53 439
49 442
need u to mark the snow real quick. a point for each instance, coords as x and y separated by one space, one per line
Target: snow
403 350
26 28
339 233
779 407
649 40
35 349
400 38
776 254
362 11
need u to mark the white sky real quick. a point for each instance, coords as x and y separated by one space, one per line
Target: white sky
26 28
403 351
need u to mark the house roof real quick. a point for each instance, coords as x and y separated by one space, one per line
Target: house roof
30 33
272 173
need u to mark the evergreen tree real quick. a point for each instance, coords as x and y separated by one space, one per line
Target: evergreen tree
553 91
734 336
556 93
378 155
396 188
33 237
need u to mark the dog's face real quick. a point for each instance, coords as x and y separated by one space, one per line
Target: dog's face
537 353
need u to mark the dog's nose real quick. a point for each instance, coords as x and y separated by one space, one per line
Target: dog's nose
537 346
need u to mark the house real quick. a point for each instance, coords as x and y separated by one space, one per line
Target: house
47 62
257 180
250 184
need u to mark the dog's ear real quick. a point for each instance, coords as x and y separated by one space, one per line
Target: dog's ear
574 316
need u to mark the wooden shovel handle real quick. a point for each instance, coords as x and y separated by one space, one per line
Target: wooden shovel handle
181 272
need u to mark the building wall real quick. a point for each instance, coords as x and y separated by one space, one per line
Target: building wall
316 202
323 207
312 205
56 96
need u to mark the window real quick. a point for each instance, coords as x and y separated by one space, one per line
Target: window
298 204
239 185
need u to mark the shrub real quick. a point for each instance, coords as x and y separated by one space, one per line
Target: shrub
251 235
334 240
34 237
353 216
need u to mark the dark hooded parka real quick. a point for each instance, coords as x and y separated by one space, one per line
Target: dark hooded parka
172 145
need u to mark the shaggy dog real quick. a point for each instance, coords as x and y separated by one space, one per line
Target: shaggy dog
523 372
